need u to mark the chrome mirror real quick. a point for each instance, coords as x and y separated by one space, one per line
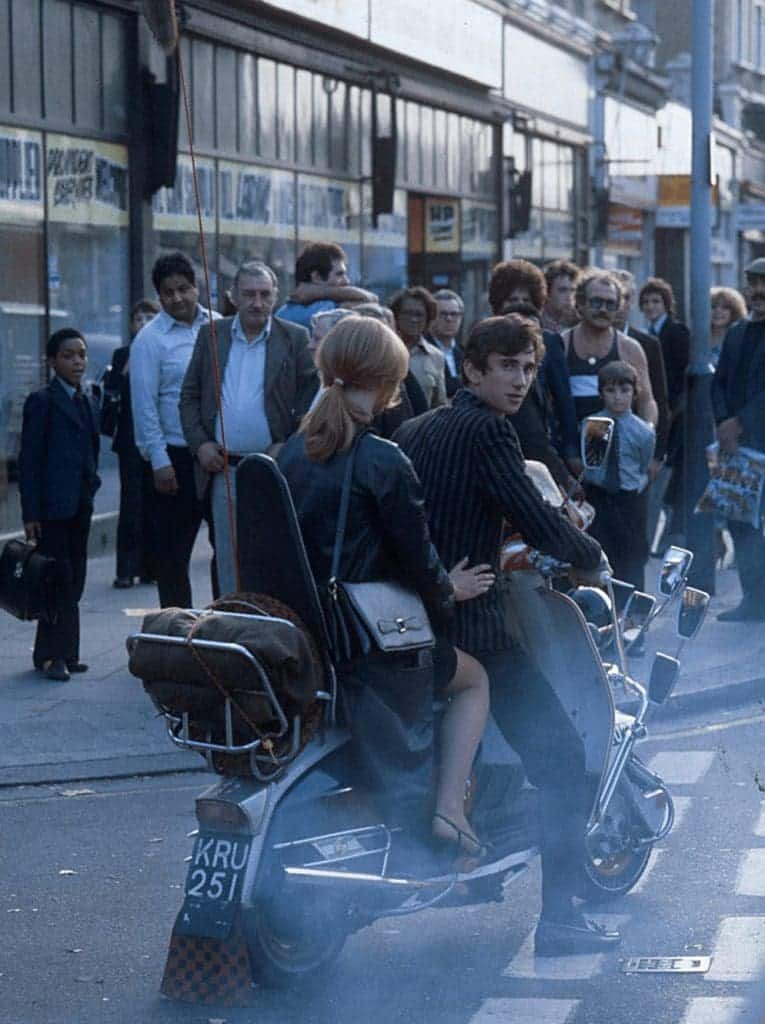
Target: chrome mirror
637 611
597 433
664 674
692 612
674 570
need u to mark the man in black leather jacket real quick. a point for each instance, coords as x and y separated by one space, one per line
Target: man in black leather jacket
470 464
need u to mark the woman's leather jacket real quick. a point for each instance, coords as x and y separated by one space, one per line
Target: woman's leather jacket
386 534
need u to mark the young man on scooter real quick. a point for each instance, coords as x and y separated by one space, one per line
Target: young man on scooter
470 464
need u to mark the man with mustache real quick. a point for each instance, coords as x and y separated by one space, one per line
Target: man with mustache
738 402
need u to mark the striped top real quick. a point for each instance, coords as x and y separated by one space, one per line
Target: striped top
471 468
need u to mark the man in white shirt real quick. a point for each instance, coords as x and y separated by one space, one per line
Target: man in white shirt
159 357
267 381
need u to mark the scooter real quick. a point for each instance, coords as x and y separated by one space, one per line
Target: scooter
292 858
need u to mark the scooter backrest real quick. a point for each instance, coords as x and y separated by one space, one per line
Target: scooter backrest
272 556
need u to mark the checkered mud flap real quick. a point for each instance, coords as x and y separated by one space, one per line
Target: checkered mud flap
208 971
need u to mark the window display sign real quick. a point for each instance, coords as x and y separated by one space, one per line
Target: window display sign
175 209
256 201
328 210
21 194
442 225
479 230
87 181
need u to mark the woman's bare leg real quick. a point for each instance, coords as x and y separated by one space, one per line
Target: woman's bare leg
463 724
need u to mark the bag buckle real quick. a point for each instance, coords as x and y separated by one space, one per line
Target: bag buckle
332 588
398 625
18 572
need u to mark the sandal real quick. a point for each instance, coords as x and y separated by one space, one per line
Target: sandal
465 843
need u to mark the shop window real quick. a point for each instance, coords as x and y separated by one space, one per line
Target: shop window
304 105
320 123
427 145
203 94
385 252
5 57
87 68
366 136
185 51
354 130
467 154
440 150
285 112
338 124
248 110
453 152
25 58
266 109
176 223
57 39
114 65
413 144
330 211
226 99
88 241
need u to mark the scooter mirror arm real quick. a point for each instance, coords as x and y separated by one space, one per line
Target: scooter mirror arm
618 643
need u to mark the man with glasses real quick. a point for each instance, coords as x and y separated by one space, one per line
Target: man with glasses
443 334
595 342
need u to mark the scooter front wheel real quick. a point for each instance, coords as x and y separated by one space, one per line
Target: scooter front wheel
607 876
294 942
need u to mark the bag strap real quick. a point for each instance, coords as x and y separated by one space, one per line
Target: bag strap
342 517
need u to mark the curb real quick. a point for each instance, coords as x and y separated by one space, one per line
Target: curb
101 541
128 766
711 699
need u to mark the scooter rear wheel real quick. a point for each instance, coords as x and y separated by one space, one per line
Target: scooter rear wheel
608 877
295 942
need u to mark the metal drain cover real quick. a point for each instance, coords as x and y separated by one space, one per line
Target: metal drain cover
666 964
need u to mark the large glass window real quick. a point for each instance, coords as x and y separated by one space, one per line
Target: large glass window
330 211
385 247
554 208
87 241
22 299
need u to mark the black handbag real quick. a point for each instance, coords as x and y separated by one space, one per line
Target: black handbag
362 617
110 413
27 582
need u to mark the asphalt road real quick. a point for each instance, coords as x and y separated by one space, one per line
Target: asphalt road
93 875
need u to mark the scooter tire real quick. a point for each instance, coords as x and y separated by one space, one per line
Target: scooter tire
607 878
295 948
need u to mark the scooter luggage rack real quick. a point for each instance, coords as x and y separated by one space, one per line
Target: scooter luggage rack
178 725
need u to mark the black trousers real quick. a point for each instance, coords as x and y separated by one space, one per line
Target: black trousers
136 542
66 540
535 725
177 519
621 529
750 562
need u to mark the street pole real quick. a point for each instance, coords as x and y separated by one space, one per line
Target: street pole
699 426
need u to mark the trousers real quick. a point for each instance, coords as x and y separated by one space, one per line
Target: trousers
535 725
66 540
750 562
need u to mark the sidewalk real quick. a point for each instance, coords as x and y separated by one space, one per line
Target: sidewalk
101 724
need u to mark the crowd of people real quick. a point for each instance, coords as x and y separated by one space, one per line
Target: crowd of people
333 371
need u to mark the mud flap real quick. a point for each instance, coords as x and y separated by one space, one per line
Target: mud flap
208 971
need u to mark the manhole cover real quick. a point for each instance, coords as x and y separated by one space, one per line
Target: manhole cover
666 964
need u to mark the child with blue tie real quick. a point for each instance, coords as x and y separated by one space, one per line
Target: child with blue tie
618 491
57 482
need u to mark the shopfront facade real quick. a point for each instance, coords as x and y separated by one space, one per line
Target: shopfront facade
282 128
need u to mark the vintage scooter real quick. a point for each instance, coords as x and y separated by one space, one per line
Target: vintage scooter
292 857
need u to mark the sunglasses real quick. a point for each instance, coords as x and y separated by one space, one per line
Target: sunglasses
610 305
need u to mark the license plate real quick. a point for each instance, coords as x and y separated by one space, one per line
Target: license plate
217 867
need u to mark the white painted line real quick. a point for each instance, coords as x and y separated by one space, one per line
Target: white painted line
521 1011
717 1011
561 968
682 803
751 874
759 828
640 885
682 767
739 952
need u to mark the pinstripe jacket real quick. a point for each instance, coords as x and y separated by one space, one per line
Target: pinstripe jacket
471 468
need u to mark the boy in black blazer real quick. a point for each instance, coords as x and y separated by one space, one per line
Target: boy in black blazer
57 480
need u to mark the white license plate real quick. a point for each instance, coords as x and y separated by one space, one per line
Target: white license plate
217 867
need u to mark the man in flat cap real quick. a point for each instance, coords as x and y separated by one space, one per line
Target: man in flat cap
738 401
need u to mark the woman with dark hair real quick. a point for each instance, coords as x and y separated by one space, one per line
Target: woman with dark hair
415 309
362 363
134 525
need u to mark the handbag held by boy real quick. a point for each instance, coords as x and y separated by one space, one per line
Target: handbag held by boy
383 615
27 582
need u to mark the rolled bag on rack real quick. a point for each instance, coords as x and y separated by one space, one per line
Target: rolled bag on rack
179 679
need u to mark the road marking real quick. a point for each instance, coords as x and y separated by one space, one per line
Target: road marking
751 874
682 803
716 1011
759 828
513 1011
560 968
656 856
701 730
682 767
739 952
